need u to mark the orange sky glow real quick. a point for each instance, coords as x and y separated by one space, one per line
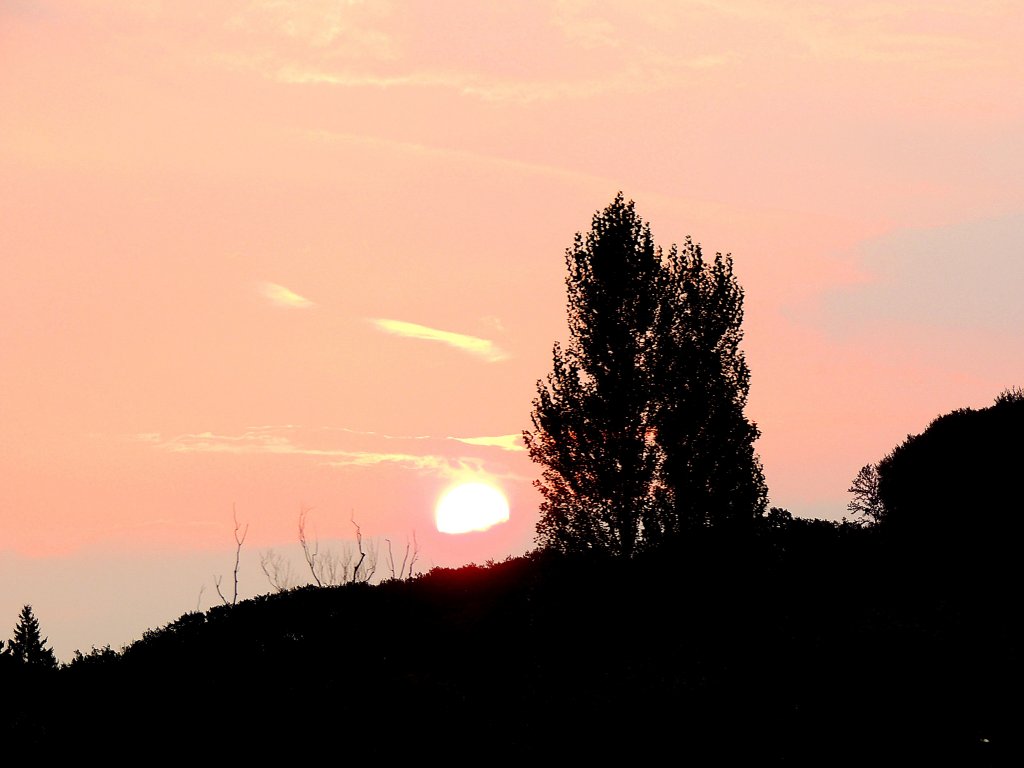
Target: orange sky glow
284 255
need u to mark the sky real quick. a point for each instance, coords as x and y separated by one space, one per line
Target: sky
267 256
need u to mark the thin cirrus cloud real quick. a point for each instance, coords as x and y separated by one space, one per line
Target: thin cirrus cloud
280 296
504 442
266 441
441 465
497 162
473 345
498 89
282 439
352 49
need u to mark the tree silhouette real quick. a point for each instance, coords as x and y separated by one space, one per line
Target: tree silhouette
957 485
866 500
592 426
27 646
710 473
640 424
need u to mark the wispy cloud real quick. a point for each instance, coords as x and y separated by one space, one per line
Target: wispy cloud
292 74
261 441
484 348
505 442
446 467
506 89
254 441
324 25
503 164
284 297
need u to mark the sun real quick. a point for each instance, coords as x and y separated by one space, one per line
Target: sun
470 507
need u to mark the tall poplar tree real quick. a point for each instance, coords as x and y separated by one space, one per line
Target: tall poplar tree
591 420
710 472
640 426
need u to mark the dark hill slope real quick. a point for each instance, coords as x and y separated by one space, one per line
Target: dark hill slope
799 645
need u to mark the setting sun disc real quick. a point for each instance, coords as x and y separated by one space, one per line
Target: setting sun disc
470 507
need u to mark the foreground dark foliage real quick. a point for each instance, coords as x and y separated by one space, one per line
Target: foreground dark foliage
806 642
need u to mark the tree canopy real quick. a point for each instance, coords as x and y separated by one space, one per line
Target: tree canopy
640 425
959 481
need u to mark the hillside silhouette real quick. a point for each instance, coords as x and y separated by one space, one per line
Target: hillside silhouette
805 642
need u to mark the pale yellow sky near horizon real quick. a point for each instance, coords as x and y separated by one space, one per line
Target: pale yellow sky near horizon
285 254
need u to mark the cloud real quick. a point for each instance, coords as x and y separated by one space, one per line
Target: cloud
572 50
508 89
499 163
248 442
296 75
441 465
505 442
473 345
284 297
261 441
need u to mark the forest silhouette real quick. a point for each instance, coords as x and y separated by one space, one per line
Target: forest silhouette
676 634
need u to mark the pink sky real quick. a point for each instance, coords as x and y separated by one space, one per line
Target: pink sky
285 254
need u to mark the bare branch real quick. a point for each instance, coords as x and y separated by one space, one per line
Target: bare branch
238 557
372 558
216 583
405 558
328 568
238 549
415 553
308 551
362 554
346 562
278 570
391 559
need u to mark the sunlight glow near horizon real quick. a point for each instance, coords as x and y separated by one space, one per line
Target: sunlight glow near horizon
469 507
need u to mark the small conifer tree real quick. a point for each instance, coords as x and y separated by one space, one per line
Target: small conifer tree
28 646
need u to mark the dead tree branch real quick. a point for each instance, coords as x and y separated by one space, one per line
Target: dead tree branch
368 557
391 559
278 570
416 555
216 584
362 555
310 552
238 558
405 558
